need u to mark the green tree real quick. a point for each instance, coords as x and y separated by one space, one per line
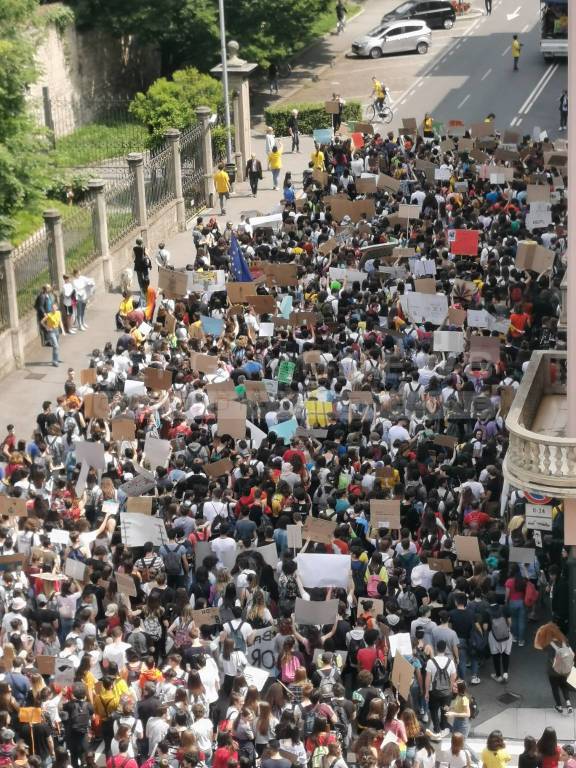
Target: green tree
23 158
172 103
187 33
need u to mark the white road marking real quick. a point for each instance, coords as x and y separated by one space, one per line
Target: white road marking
519 121
524 28
513 123
464 100
538 87
506 51
485 75
511 16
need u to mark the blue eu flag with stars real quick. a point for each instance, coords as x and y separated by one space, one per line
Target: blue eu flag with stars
238 265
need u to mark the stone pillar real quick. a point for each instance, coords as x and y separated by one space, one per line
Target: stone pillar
136 165
203 114
7 267
100 223
56 253
172 136
239 72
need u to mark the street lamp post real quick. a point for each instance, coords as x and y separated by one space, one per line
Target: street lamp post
225 81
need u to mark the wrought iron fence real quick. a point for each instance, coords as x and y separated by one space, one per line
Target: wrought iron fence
158 179
192 162
31 269
4 319
80 241
121 207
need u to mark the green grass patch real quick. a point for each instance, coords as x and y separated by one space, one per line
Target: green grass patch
29 220
326 22
99 141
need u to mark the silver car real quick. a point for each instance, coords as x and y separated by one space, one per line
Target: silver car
394 37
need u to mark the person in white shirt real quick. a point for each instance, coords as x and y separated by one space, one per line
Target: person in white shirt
84 288
203 729
157 728
116 650
224 547
398 432
421 575
439 695
163 256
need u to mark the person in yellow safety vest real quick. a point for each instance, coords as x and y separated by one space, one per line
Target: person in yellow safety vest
428 128
516 48
222 185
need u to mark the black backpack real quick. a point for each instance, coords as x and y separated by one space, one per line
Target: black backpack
353 648
80 717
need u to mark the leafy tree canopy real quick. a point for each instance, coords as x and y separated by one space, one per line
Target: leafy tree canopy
187 31
172 103
23 158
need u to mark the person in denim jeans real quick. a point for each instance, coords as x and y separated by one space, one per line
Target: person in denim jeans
515 593
52 323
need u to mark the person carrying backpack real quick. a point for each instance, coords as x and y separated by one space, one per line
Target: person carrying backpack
238 630
77 722
175 561
499 638
560 663
325 677
439 687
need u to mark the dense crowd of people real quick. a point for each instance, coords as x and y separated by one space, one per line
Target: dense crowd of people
160 527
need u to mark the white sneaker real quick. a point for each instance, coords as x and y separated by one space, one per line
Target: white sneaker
521 644
505 677
475 680
84 327
496 677
72 331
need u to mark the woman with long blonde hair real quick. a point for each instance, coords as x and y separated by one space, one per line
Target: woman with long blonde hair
413 730
265 729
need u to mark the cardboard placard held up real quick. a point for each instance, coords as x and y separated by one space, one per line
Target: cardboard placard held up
389 183
321 177
123 429
232 419
362 397
481 129
88 376
314 612
294 536
221 390
425 285
409 212
328 246
256 392
366 186
74 569
208 616
456 316
530 255
238 292
172 283
442 564
45 664
283 274
263 305
485 348
96 406
16 559
402 675
385 513
126 584
342 206
157 379
467 548
218 468
523 555
332 107
203 363
140 504
537 193
30 715
312 356
318 530
409 126
12 507
445 441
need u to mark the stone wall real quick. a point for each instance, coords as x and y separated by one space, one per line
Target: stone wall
84 67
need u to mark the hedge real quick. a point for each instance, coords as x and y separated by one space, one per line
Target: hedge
310 116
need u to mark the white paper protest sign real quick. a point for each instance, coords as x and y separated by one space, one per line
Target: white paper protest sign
262 652
324 570
157 451
400 643
425 307
91 453
449 341
136 529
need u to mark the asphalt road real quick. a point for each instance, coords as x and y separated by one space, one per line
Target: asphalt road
466 74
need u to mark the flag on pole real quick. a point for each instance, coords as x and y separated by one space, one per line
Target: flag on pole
238 265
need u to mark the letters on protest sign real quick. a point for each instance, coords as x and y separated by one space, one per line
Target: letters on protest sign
261 653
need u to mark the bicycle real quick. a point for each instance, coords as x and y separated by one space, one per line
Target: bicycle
377 113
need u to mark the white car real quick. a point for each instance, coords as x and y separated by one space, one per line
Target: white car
394 37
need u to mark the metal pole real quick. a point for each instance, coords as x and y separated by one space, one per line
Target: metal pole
225 81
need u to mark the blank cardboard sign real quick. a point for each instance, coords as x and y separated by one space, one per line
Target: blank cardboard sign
467 548
318 530
402 675
385 513
485 348
123 429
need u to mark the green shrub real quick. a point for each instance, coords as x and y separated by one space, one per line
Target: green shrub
311 116
60 184
219 142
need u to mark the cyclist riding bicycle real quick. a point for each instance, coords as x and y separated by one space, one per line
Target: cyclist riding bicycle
379 93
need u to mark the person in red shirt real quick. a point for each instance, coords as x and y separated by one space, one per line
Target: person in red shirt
226 754
122 759
477 519
367 656
519 322
9 442
294 450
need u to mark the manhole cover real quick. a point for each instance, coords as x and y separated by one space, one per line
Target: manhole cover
508 698
35 376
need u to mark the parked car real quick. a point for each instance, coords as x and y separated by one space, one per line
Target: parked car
394 37
438 14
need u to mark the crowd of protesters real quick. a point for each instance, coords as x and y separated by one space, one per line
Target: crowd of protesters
150 683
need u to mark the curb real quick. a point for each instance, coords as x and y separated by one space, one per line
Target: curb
474 13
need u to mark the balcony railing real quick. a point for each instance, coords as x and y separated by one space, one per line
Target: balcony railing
540 457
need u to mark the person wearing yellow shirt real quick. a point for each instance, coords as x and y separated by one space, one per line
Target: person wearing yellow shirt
516 48
275 163
52 324
428 126
222 186
378 92
317 157
126 306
